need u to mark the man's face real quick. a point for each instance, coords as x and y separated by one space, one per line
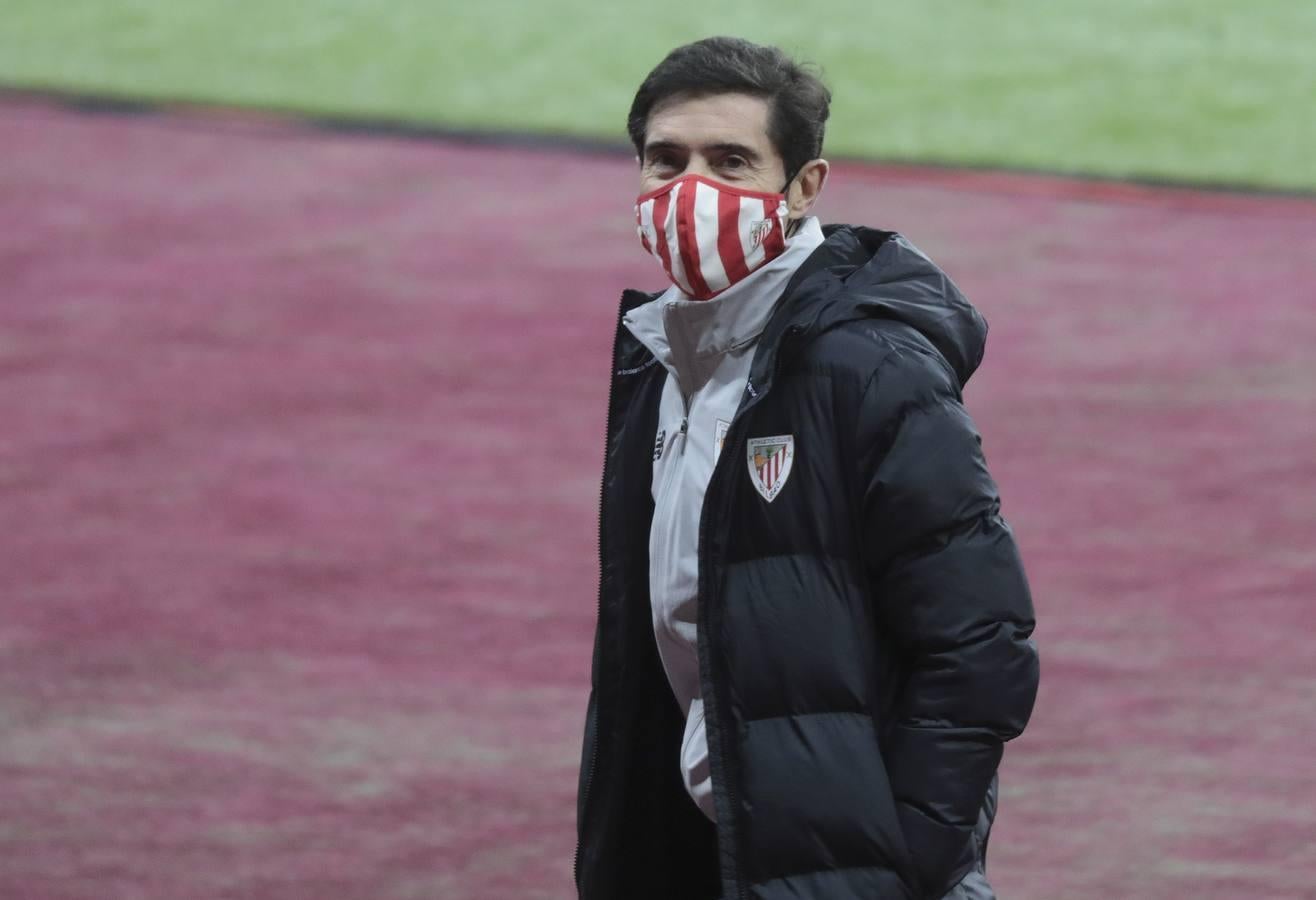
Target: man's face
723 137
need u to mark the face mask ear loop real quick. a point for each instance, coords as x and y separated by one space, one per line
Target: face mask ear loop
794 223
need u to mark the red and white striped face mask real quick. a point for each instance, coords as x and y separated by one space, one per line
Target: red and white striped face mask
707 235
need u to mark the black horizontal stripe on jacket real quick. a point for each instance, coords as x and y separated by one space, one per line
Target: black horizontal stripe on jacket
864 639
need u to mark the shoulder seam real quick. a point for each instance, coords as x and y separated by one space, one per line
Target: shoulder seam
896 353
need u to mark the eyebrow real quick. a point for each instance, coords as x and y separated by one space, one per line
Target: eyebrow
725 148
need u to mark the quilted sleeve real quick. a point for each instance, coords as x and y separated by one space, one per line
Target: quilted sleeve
951 596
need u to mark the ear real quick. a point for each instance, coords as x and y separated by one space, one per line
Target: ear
805 187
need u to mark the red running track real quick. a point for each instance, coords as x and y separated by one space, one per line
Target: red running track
298 481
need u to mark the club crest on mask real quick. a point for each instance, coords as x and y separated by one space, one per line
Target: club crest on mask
759 231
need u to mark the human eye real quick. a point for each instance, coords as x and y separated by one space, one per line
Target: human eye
664 162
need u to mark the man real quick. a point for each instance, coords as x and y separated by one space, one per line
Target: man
814 628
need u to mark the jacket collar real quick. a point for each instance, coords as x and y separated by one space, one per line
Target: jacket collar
855 273
689 337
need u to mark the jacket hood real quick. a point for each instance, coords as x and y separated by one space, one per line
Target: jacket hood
865 273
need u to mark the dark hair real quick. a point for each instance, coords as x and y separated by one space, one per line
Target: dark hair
798 99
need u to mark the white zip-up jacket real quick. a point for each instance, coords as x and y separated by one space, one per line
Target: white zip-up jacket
707 348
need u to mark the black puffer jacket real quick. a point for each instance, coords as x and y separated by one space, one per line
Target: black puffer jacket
864 639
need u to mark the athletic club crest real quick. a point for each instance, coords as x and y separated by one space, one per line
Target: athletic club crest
720 437
770 461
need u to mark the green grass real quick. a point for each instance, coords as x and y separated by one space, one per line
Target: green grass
1193 90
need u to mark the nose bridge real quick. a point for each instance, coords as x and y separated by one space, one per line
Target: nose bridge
698 164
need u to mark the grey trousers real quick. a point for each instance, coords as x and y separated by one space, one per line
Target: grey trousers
973 887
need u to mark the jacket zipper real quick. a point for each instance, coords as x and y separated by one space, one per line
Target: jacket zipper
713 710
755 396
671 478
662 504
598 613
